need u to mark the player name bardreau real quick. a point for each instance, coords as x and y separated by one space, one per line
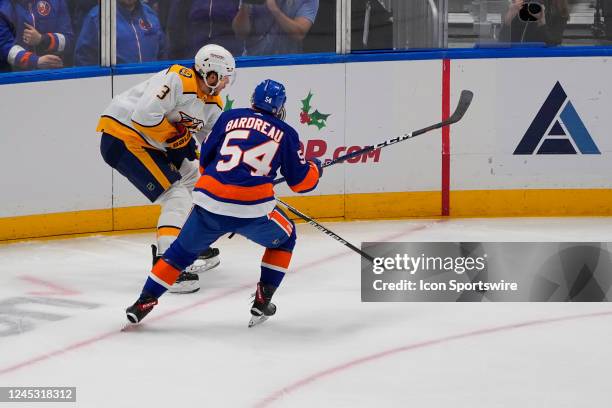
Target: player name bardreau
452 285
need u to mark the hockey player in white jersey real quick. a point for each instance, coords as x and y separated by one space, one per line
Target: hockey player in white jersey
148 136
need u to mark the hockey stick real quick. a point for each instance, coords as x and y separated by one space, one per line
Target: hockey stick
462 106
326 231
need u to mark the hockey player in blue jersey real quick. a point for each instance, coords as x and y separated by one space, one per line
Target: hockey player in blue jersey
238 162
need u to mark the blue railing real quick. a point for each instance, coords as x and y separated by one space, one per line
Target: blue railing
498 51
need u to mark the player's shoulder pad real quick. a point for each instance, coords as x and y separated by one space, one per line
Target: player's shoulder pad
187 77
213 100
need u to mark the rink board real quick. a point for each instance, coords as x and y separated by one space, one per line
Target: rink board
56 183
509 94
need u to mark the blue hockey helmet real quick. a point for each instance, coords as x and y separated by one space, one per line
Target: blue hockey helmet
269 96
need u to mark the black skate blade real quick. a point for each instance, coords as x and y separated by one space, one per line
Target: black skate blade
255 320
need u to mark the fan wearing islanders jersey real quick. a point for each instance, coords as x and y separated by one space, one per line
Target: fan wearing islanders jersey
245 151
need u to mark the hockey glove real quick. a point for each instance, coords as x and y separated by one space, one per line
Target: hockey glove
319 165
182 146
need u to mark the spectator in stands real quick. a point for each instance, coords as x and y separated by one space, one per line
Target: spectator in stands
546 26
78 10
275 27
322 34
193 23
34 34
139 35
161 9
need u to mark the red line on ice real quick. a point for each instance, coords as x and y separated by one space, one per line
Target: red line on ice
55 288
112 333
276 395
92 340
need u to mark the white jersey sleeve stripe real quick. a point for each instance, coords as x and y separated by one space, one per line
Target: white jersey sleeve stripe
15 49
274 267
233 210
61 42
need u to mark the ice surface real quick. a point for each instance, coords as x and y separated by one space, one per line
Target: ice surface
324 348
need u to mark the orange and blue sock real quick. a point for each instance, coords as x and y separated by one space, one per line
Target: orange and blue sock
274 265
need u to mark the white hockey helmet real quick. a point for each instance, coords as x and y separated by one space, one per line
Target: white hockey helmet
215 58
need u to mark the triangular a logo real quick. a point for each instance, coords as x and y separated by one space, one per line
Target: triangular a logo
557 129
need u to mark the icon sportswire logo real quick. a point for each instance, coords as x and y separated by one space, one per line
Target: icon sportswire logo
557 129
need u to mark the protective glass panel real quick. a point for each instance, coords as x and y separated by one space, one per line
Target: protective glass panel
191 24
273 27
396 24
529 22
174 30
140 35
322 34
476 22
87 20
371 25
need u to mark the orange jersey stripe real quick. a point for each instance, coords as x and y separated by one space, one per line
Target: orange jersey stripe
311 179
121 131
150 164
232 192
277 257
213 100
187 77
135 144
168 232
25 59
165 272
190 85
282 222
52 42
161 132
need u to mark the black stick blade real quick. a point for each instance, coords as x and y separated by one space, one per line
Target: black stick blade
462 106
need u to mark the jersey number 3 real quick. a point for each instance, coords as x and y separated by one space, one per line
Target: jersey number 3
163 92
258 157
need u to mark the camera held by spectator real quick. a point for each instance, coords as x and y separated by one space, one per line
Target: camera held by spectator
532 11
537 21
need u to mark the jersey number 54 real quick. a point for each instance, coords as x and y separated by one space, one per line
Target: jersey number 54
258 157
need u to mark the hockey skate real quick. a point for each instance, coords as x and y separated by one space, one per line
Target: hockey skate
187 282
207 260
262 307
140 309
